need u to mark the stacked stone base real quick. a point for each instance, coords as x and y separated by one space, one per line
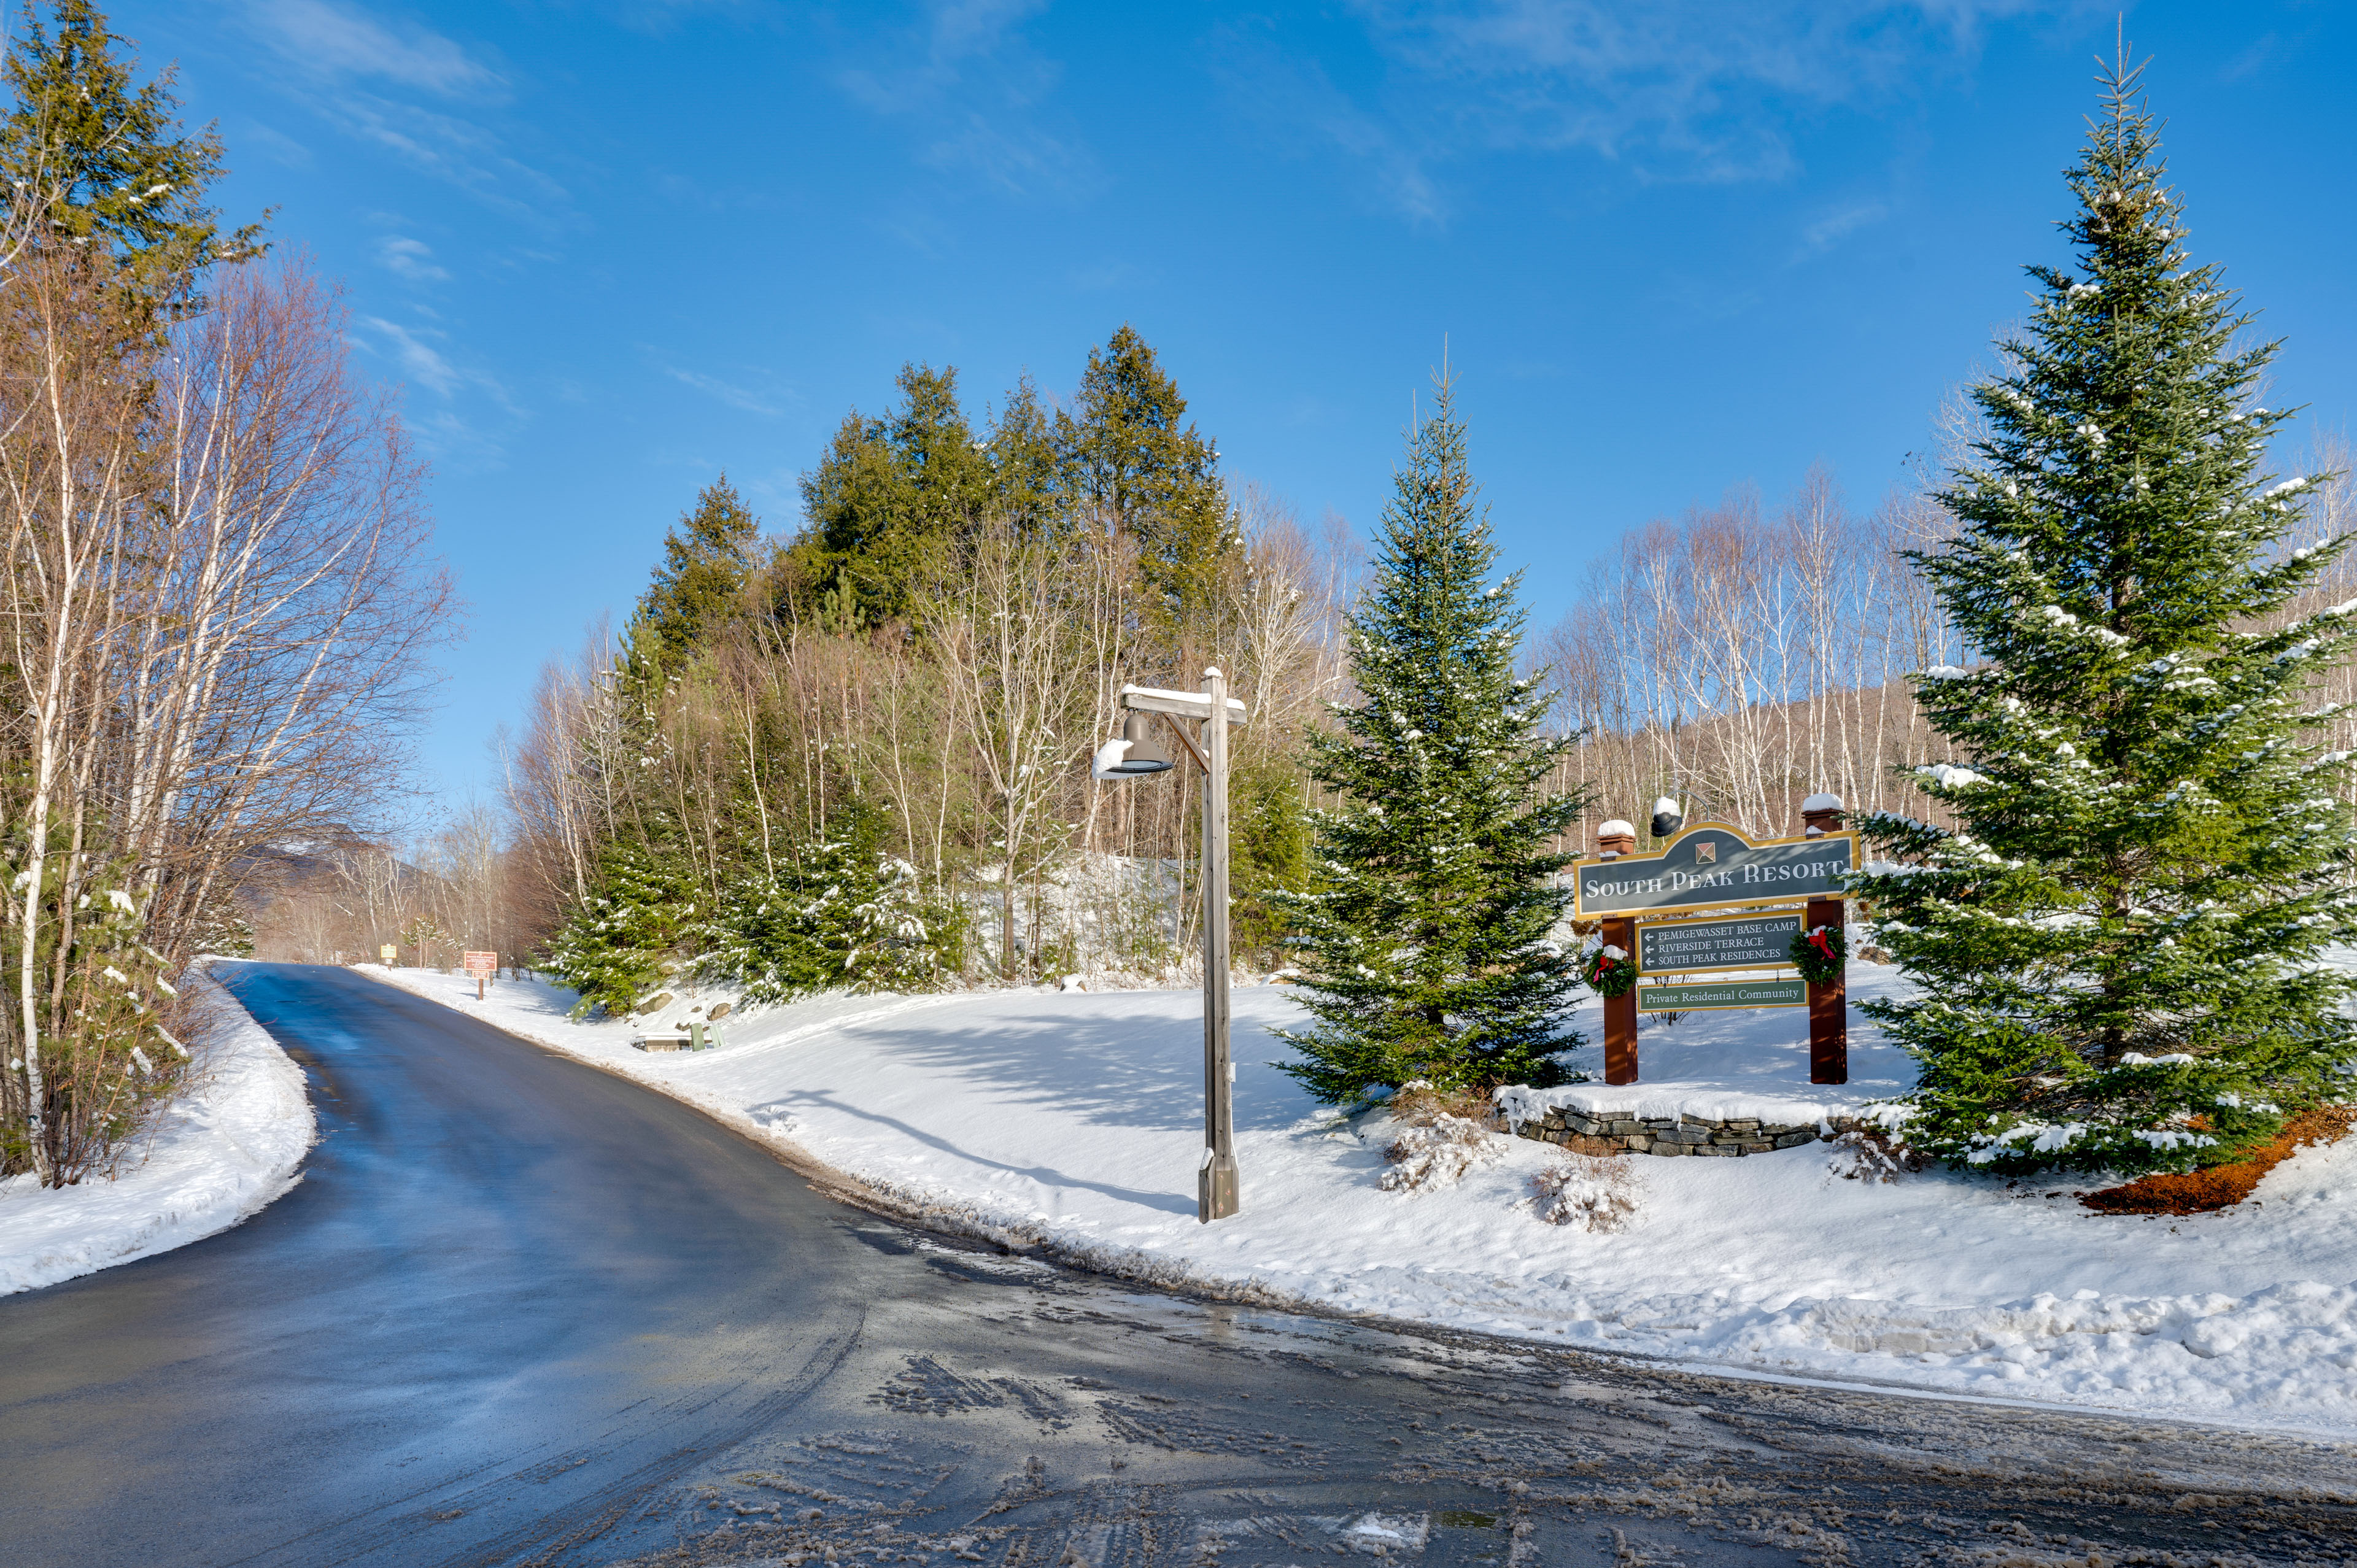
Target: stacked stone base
1609 1132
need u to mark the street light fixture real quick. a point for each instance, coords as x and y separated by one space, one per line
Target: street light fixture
1133 755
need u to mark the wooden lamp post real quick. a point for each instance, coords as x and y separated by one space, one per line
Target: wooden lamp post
1133 755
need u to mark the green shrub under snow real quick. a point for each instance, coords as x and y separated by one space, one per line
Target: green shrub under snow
841 914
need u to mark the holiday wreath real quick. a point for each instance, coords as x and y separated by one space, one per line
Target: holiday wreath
1819 953
1610 972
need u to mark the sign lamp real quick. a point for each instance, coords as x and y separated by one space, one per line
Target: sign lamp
1133 755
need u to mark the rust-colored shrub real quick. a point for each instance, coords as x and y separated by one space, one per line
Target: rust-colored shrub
2222 1186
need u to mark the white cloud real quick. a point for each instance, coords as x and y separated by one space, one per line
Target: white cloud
276 144
1669 90
458 423
412 260
422 96
746 397
1293 101
419 359
973 90
328 39
1824 232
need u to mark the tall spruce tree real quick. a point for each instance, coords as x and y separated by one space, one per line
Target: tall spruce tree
109 157
888 495
1153 475
1427 942
2119 948
707 559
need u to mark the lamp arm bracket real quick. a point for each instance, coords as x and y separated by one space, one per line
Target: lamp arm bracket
1186 740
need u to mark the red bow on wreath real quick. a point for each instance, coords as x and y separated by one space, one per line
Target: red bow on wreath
1823 944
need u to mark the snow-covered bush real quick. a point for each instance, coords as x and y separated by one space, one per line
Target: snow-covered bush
1587 1192
1875 1153
1438 1152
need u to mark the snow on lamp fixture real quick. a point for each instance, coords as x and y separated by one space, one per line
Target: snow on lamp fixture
1133 754
1668 817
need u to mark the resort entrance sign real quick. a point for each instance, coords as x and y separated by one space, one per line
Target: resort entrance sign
1714 866
1643 909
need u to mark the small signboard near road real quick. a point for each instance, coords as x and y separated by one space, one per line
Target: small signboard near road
386 953
1704 947
1711 996
483 966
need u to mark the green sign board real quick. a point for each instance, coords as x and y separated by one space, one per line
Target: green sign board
1703 947
1714 866
1707 996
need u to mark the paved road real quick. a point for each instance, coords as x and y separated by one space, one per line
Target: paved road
522 1311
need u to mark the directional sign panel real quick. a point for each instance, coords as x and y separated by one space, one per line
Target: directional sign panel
1705 947
1711 996
1714 866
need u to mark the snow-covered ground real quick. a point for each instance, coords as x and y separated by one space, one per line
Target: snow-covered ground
1073 1121
216 1154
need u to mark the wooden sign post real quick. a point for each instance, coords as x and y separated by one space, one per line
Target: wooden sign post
1828 1007
483 966
1713 867
1620 1012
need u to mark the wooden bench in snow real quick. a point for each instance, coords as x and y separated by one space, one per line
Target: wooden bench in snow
696 1039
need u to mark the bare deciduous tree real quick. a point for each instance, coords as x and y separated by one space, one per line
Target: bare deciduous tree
220 595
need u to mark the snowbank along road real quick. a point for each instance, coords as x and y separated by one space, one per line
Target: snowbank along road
522 1311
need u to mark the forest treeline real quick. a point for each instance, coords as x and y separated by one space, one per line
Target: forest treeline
855 754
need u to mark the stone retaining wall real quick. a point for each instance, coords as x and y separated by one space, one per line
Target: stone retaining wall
1677 1135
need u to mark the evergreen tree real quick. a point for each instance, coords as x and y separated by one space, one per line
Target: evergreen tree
109 157
1030 480
845 914
1427 942
1269 843
615 947
2119 948
1150 473
889 494
706 560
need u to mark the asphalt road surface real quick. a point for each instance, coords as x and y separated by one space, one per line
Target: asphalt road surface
519 1311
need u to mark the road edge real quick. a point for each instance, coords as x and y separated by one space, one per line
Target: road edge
217 1155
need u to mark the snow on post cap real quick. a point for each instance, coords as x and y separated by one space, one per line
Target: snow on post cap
1666 807
1616 829
1822 802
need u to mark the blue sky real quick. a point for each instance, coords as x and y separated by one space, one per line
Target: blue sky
612 249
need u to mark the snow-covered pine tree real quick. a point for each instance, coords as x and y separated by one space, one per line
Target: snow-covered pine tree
843 914
2118 949
1426 942
616 946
